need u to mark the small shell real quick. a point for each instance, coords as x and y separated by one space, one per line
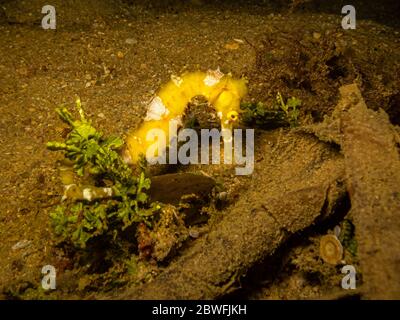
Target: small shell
330 249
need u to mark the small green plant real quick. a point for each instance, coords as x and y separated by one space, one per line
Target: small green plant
290 109
280 114
94 157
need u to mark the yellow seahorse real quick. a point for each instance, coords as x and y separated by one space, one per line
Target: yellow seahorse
168 106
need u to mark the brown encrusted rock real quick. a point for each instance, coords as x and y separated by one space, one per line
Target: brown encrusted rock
370 146
373 181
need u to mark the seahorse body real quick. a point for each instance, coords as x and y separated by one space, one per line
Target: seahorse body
222 91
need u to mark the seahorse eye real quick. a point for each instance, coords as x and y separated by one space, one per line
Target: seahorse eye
233 115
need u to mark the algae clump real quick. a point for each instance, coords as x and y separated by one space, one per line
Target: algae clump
116 200
280 114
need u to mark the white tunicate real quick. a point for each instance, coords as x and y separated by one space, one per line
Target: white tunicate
213 77
156 110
